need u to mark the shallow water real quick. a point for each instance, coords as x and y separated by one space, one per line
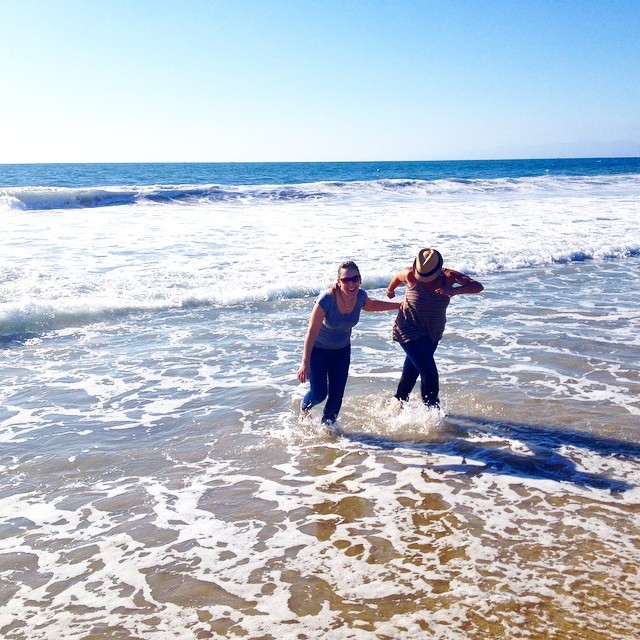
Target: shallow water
157 481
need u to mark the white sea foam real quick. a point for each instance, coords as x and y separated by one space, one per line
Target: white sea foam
350 527
132 259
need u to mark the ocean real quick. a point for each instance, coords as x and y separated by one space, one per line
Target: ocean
155 481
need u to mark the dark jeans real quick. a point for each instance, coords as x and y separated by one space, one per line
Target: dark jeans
329 370
420 362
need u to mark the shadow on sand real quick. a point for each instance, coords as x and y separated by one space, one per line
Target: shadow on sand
543 460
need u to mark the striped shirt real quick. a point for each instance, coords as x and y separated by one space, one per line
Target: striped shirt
422 313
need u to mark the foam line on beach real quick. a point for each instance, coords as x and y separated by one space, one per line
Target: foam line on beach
67 308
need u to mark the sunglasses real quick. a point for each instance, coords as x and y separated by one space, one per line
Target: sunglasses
351 279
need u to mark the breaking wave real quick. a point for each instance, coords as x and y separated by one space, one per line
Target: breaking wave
52 198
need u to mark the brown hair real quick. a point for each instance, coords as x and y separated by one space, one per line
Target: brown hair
347 264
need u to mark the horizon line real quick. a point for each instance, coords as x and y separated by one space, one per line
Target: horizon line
159 162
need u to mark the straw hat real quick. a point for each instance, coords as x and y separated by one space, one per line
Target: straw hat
428 265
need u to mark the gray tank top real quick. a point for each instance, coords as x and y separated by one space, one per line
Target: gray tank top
335 332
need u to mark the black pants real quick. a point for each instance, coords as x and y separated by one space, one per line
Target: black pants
329 370
420 362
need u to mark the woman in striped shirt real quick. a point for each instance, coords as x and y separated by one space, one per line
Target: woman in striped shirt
422 317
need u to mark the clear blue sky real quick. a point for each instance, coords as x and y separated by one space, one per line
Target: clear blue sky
289 80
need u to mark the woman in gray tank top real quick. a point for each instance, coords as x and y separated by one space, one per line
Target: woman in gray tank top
422 318
326 352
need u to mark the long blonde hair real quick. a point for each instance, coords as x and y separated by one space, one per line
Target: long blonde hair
347 264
